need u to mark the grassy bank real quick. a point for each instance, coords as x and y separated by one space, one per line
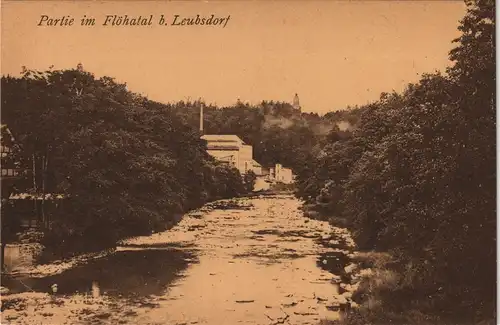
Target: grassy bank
389 296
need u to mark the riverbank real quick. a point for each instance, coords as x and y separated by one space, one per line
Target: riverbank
383 297
28 257
387 292
253 259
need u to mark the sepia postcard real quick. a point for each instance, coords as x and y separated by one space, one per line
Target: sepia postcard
248 162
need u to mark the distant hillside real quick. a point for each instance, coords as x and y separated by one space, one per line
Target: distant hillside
278 132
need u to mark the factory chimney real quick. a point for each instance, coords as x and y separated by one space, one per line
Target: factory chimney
201 117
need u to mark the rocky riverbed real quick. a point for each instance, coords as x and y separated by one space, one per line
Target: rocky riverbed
246 261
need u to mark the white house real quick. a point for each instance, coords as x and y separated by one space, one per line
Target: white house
280 174
9 168
257 168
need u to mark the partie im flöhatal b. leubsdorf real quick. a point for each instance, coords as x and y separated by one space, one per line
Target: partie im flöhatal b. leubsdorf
140 20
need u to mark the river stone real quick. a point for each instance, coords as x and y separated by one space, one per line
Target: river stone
305 313
352 287
321 298
335 279
341 300
289 303
349 268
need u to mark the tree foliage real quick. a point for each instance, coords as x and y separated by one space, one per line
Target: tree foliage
417 178
249 179
126 165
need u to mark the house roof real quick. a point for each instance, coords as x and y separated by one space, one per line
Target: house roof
9 141
4 128
226 158
256 164
222 147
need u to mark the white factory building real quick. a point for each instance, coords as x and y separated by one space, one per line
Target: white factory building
229 148
232 150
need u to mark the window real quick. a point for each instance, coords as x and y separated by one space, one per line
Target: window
9 172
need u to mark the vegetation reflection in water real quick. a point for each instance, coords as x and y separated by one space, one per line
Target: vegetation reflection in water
129 273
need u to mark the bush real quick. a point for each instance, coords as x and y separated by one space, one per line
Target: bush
249 179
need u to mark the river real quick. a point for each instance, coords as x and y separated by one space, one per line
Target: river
245 261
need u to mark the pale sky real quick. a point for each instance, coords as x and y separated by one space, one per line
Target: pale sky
332 54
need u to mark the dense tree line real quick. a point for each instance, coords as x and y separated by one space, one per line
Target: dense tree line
417 178
125 165
278 132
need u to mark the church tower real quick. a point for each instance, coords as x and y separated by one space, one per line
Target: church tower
296 102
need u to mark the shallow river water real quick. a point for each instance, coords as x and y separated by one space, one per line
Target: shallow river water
247 261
